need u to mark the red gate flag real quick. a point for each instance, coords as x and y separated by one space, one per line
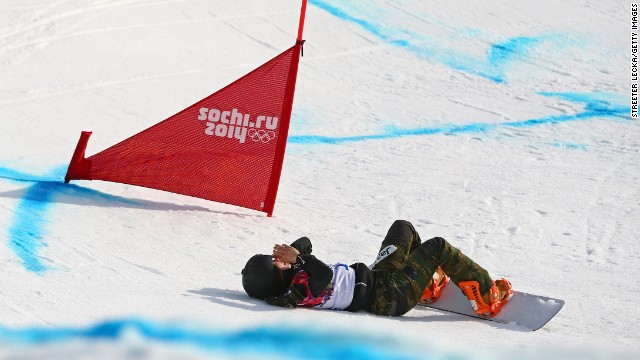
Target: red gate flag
228 147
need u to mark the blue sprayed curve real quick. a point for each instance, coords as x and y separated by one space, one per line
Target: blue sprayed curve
281 341
494 67
599 102
596 105
27 230
500 55
372 28
570 146
14 175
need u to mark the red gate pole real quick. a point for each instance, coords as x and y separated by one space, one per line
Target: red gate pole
303 10
79 167
287 108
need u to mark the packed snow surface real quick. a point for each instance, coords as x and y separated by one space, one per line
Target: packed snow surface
504 128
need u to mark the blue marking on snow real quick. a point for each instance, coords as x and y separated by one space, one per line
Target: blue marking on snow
281 341
608 104
596 105
374 29
14 175
571 146
499 57
27 229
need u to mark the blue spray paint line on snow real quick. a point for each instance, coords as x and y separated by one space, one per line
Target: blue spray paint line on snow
54 184
599 102
281 341
570 146
494 67
500 55
26 232
596 105
19 176
27 229
376 30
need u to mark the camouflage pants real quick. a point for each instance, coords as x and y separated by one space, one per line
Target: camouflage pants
405 266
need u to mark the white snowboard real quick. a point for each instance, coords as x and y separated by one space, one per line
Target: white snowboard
526 310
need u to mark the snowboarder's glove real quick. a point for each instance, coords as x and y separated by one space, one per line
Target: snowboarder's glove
283 301
291 299
303 245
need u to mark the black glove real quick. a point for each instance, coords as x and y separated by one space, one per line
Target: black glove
303 245
295 295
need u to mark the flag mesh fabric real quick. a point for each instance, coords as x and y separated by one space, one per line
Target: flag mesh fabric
227 147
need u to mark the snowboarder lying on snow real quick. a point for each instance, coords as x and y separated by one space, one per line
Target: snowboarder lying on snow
406 271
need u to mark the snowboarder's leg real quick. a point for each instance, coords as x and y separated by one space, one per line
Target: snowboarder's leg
401 239
399 291
435 287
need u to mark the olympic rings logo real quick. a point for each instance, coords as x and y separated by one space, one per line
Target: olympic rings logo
261 135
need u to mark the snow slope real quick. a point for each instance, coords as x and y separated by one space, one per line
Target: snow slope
504 128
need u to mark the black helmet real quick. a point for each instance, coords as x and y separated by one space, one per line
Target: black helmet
261 279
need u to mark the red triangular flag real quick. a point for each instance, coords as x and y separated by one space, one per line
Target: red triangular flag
228 147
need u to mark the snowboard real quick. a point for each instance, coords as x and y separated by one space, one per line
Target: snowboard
526 310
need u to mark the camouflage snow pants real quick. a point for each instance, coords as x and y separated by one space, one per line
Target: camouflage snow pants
405 266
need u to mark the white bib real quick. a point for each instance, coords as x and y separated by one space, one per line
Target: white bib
342 286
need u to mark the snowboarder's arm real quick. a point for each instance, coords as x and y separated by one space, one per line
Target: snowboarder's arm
303 245
320 274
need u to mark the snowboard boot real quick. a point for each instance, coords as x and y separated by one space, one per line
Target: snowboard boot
490 303
433 291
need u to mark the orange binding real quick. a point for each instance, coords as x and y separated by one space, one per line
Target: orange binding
433 291
499 294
